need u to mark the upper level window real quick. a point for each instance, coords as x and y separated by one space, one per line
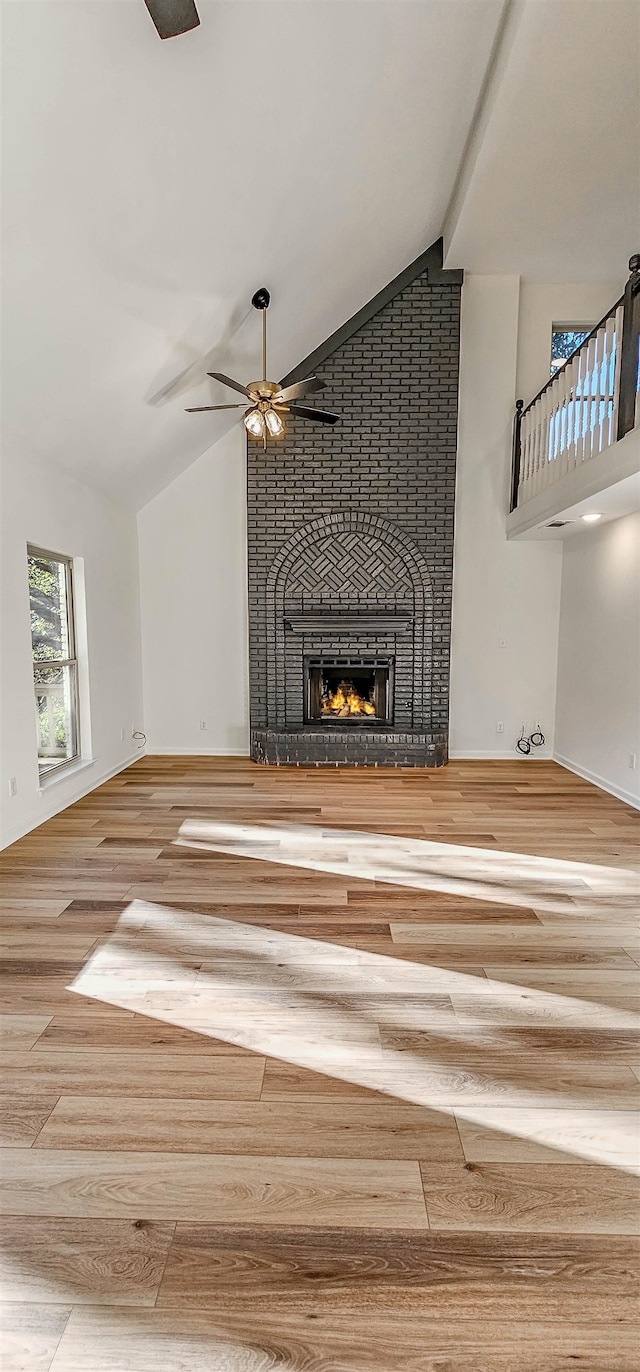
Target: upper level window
55 667
565 338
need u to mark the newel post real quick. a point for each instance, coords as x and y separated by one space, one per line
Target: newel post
629 349
515 455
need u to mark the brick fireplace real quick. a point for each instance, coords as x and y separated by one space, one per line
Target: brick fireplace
350 534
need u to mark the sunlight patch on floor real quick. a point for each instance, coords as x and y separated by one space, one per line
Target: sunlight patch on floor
320 1006
549 884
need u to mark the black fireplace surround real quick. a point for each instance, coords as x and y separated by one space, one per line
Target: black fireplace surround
350 537
356 692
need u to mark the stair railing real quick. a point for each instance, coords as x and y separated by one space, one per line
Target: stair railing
588 404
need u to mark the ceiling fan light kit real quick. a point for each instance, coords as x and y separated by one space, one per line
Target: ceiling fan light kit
269 401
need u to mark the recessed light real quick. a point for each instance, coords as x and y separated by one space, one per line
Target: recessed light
591 518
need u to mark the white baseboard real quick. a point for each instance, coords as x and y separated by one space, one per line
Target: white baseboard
12 835
196 752
618 791
493 755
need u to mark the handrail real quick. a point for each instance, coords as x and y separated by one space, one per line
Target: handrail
586 405
584 344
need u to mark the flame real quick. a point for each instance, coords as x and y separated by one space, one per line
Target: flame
346 701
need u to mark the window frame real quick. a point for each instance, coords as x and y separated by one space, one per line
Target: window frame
563 327
55 768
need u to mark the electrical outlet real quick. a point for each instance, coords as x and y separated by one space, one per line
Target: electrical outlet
203 723
13 786
500 726
632 761
122 735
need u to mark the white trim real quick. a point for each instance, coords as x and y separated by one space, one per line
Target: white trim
61 773
504 755
618 791
12 835
196 752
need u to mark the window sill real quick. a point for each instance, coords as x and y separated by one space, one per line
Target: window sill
63 773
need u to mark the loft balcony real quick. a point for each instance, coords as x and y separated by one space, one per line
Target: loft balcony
576 445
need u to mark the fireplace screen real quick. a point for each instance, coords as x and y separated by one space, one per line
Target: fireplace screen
349 690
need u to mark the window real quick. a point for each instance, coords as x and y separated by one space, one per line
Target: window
565 338
55 667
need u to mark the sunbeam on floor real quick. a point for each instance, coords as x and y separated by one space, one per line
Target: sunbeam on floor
546 883
335 1010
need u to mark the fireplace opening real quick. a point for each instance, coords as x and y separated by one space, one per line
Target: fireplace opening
348 690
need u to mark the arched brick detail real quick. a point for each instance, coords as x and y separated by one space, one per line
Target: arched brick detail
374 559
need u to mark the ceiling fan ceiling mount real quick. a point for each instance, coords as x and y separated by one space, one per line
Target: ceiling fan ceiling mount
262 299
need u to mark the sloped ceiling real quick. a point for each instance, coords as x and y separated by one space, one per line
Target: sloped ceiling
314 146
551 188
150 187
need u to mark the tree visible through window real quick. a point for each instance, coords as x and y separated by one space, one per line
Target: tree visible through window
55 668
565 338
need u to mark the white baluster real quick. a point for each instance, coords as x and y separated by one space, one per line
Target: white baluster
536 441
531 435
524 455
563 436
569 426
543 461
587 389
557 412
608 368
579 397
593 446
548 471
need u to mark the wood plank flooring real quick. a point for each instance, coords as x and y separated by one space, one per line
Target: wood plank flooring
322 1072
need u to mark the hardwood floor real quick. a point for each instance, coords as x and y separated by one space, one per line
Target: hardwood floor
322 1072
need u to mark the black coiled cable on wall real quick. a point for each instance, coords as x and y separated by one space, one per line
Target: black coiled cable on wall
528 741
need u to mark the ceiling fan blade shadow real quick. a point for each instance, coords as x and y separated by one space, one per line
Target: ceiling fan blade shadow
172 17
202 352
197 409
228 381
300 388
321 416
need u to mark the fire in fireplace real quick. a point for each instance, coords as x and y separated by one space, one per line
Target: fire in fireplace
348 690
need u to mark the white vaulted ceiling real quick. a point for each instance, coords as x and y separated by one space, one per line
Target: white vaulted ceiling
309 145
551 191
149 188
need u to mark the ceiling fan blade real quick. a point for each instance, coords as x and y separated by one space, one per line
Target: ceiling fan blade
307 387
172 17
322 416
228 381
197 409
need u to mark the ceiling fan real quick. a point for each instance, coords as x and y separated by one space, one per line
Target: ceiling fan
172 17
269 401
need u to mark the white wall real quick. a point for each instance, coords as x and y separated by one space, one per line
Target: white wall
42 505
502 592
598 702
193 579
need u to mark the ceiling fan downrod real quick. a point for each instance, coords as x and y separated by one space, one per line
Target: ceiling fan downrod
261 301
